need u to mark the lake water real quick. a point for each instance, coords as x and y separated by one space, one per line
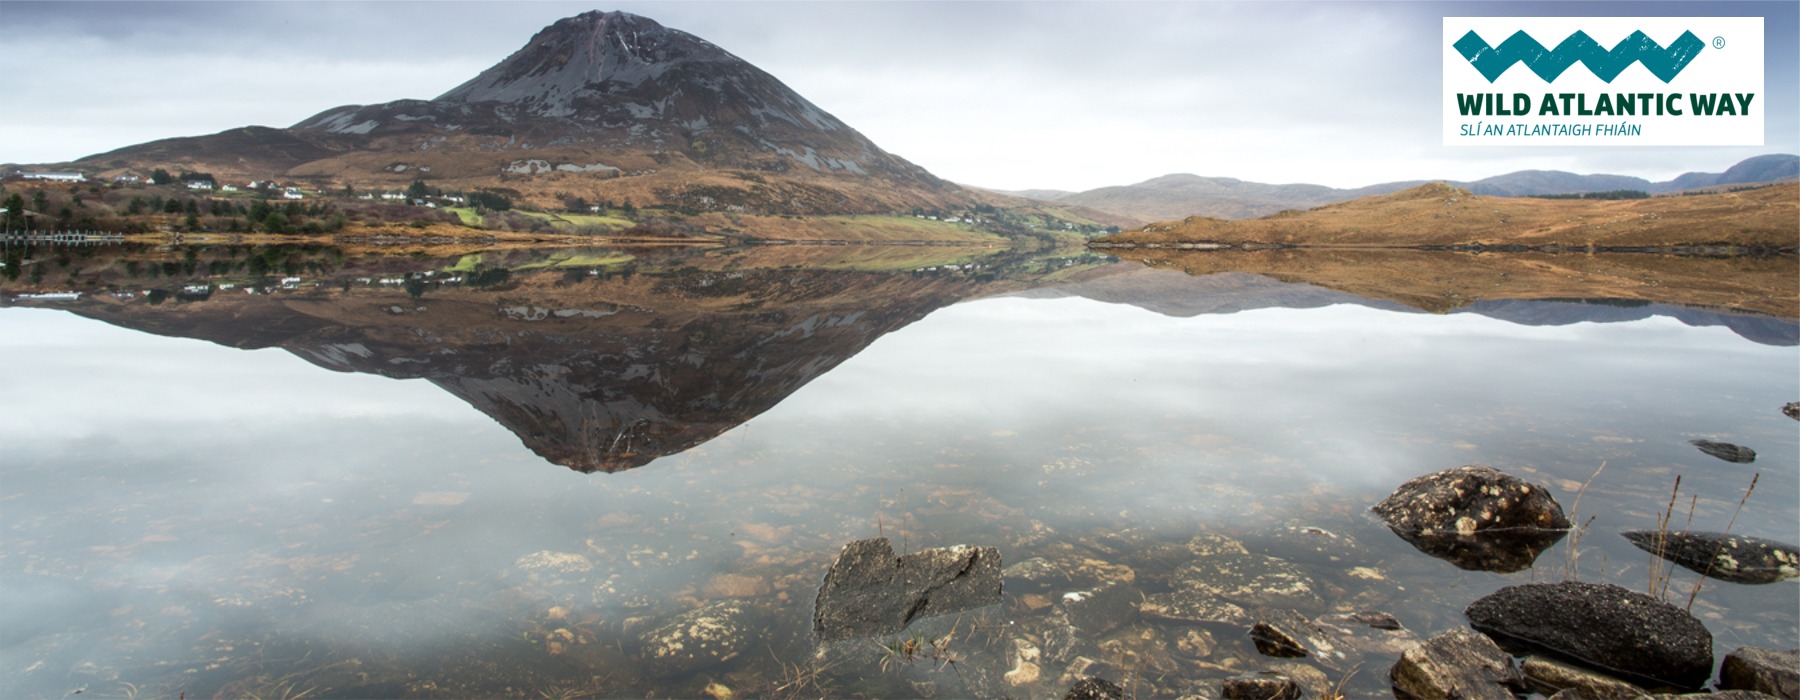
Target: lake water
387 498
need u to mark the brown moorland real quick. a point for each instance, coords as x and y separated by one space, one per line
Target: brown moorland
1438 215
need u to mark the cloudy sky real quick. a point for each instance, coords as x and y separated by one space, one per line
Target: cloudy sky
1013 95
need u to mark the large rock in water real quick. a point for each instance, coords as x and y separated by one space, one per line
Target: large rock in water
1727 557
1475 517
1456 664
869 591
1600 626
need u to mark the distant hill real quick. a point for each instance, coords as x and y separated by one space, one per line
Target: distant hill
1438 214
1179 196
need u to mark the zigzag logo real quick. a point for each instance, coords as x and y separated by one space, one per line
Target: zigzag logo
1606 65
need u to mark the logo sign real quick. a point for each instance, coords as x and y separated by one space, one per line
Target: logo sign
1603 81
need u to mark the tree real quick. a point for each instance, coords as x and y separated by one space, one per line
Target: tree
417 190
161 177
173 206
15 212
630 211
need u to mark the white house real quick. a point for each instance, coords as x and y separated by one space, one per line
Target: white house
200 184
292 193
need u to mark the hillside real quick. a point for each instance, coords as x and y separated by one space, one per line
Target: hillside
1441 215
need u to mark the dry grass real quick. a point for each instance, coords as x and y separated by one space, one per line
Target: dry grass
1437 214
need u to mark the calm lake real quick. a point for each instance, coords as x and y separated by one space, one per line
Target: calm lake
415 476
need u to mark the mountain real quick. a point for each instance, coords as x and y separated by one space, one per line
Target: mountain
605 105
1172 197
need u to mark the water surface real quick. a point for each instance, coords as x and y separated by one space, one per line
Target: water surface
182 516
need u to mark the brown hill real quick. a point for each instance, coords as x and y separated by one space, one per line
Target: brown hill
606 106
1440 215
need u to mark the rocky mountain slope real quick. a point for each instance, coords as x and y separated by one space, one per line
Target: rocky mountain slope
607 106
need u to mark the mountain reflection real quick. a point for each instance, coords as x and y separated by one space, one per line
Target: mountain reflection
605 360
596 366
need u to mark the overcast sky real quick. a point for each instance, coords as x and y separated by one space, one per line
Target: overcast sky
1011 95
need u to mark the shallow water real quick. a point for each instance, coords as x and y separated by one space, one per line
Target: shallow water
183 517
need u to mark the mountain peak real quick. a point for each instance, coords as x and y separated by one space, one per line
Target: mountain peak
584 57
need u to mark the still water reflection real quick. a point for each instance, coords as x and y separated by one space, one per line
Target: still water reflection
179 516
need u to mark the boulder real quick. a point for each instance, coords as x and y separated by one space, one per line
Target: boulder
1456 664
698 639
1762 670
869 591
1475 517
1261 686
1726 451
1600 626
1726 557
1791 410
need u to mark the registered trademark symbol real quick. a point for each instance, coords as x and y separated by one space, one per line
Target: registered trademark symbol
1718 42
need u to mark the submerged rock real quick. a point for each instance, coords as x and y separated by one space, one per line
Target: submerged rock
1600 626
1727 557
1192 607
1094 688
1726 451
1261 686
869 591
1762 670
1550 676
1100 609
698 639
1310 543
1286 634
1248 579
1475 517
1456 664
